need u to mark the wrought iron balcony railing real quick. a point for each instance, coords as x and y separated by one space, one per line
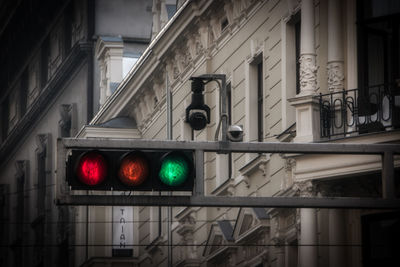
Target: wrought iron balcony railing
351 112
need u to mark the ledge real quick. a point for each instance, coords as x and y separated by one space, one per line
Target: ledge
253 165
89 131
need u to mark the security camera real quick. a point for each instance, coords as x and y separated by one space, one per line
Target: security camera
197 113
198 118
235 133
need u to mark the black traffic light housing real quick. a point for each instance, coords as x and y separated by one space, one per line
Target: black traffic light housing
151 164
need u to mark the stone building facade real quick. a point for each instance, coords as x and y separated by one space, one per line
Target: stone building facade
296 72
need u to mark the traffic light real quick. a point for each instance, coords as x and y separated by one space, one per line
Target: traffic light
130 170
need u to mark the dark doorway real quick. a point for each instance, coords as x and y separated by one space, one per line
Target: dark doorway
380 234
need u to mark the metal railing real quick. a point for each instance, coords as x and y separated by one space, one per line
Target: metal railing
375 109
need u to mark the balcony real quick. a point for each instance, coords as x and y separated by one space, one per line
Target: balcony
354 112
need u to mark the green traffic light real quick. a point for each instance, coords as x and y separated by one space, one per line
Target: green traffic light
174 169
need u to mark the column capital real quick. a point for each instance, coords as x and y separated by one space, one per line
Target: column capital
308 74
305 188
335 76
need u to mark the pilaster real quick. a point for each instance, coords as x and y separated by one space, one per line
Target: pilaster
307 109
308 250
337 253
335 47
308 68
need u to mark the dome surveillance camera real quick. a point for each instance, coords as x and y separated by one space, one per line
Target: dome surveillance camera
235 133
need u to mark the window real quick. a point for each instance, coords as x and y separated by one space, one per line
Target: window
12 109
44 61
297 32
128 61
23 95
4 118
254 102
260 103
42 165
291 68
20 178
171 9
41 182
4 222
378 42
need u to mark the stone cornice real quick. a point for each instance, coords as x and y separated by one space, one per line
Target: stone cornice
177 51
89 131
53 87
107 43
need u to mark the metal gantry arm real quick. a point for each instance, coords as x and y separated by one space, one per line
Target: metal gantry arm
387 152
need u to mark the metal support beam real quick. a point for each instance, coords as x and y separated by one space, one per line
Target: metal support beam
223 97
199 187
222 201
386 150
388 186
245 147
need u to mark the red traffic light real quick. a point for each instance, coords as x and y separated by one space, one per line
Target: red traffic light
133 169
92 168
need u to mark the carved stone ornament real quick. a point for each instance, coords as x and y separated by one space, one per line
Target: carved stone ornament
191 46
308 73
237 8
65 122
170 70
215 27
231 190
143 109
41 142
203 32
159 91
305 188
138 114
149 100
20 167
228 8
289 164
180 62
199 45
335 76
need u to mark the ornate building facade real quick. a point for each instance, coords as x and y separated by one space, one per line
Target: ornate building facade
297 71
